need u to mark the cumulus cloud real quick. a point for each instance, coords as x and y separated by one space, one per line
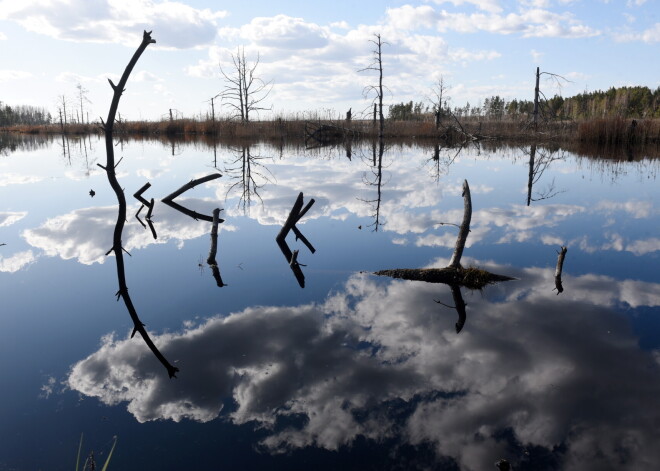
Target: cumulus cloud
178 25
380 358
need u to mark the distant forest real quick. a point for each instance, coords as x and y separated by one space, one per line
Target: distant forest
625 102
23 114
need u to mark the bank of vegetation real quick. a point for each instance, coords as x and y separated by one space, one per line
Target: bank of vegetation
624 115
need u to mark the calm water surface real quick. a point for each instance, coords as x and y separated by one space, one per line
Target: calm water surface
352 371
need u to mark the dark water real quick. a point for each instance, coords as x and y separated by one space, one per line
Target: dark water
354 371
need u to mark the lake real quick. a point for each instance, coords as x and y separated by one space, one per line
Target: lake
353 370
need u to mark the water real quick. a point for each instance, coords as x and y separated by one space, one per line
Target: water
352 371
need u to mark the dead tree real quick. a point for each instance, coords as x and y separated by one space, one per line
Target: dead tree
537 93
295 215
439 99
377 65
454 273
244 91
560 266
110 168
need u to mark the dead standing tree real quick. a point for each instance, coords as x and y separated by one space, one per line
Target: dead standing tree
377 65
109 168
244 91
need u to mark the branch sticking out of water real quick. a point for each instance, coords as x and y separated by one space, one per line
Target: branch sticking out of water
117 248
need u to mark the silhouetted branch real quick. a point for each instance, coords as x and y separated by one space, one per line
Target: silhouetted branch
121 199
214 249
296 213
168 200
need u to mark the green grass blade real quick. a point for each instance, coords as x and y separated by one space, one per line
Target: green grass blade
79 449
107 461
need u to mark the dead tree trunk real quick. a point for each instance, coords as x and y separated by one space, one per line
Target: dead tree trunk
464 230
560 267
536 100
214 249
110 166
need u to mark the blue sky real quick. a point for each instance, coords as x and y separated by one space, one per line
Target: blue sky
312 51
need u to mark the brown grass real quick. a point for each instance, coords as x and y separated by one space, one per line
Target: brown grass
602 132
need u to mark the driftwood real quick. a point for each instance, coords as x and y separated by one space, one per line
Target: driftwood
454 273
214 249
110 166
295 215
560 266
169 199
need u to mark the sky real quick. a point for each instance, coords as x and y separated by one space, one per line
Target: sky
312 53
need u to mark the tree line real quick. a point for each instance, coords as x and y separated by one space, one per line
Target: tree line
624 102
23 114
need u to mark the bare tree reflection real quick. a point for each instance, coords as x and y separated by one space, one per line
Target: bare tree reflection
538 164
249 175
376 169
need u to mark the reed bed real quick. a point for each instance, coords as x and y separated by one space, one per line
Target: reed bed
606 132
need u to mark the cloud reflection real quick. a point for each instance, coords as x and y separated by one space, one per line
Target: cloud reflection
558 379
86 234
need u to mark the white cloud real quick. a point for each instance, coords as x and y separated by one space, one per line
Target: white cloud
535 22
650 35
177 25
8 218
3 36
16 262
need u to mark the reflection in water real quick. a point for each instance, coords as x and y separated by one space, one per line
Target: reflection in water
537 166
250 174
556 391
377 173
296 214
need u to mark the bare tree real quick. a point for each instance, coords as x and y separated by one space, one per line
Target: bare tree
82 99
377 65
244 91
439 99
